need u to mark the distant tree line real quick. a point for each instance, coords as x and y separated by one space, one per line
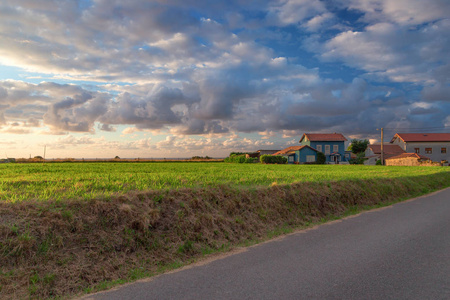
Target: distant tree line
200 157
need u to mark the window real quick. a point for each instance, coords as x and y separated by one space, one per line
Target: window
291 158
443 150
310 158
319 148
327 149
428 150
417 150
335 148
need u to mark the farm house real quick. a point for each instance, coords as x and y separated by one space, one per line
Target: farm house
299 154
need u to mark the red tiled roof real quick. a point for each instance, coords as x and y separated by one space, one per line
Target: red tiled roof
406 155
292 148
387 149
422 137
325 137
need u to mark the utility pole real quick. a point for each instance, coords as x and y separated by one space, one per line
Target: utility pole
382 152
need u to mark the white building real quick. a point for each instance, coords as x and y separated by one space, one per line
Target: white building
436 146
373 152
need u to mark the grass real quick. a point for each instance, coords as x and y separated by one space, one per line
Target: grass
60 181
72 228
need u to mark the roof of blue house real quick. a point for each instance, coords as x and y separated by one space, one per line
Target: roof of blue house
323 137
292 149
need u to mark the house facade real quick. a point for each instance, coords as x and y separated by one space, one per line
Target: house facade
330 144
408 159
373 152
266 152
435 146
299 154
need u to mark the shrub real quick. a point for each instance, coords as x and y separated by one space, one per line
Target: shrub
378 163
251 160
237 153
239 159
270 159
321 158
359 160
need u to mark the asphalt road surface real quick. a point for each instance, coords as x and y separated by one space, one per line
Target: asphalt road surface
399 252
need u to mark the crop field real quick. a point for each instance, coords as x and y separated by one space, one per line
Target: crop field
58 181
73 228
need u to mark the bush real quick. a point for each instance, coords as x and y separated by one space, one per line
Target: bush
270 159
251 160
359 160
237 159
321 158
378 163
237 153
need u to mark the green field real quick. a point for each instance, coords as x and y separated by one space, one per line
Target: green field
57 181
65 229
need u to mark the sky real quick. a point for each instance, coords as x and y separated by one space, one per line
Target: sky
163 79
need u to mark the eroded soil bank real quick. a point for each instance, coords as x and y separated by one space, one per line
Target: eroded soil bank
53 249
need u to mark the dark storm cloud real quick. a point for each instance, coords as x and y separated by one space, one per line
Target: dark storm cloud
153 111
437 92
106 127
202 67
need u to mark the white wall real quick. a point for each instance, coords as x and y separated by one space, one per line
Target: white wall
436 149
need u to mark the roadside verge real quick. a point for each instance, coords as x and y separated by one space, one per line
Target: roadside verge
53 249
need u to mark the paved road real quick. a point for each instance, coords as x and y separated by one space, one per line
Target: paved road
400 252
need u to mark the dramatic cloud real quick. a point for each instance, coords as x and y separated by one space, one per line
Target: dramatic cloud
202 75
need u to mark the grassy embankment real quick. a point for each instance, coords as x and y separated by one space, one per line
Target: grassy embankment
71 228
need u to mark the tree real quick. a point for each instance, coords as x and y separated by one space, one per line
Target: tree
358 146
359 160
321 158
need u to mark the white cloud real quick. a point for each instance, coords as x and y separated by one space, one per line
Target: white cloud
390 52
202 71
404 12
320 21
293 12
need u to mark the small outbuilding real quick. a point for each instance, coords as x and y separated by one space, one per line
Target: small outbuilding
407 159
373 152
299 154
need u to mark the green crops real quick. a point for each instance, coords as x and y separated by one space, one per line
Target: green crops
59 181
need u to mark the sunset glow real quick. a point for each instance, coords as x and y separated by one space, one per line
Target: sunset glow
100 78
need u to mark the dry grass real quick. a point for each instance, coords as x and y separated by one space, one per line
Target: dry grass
62 248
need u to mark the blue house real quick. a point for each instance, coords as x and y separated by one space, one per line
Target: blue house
330 144
299 154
